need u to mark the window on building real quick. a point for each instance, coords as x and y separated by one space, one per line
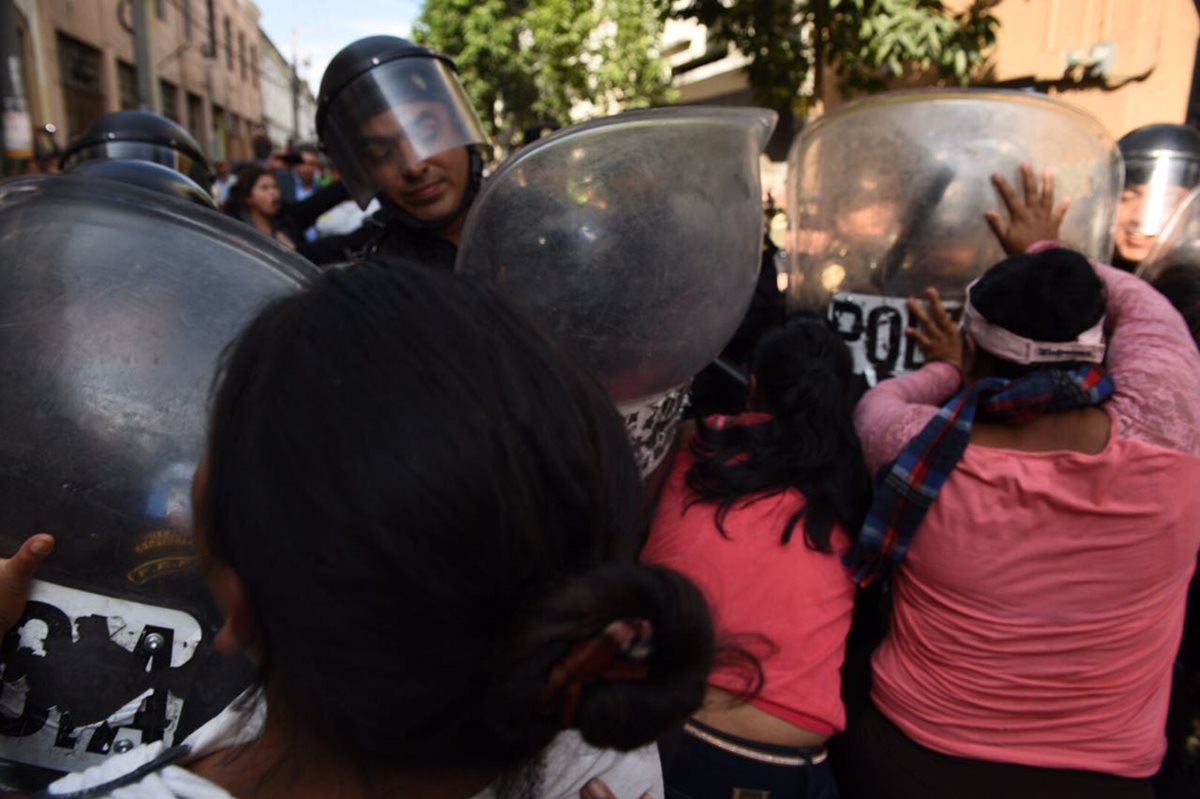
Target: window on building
127 85
210 47
79 68
228 44
160 8
242 55
170 99
254 66
186 7
234 131
220 143
195 117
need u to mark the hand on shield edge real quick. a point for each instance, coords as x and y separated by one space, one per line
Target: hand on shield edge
937 334
597 789
16 577
1032 218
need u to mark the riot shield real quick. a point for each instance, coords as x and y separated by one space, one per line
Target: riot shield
115 305
1178 246
636 240
886 196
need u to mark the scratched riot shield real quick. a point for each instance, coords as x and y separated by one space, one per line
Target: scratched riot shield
887 196
1178 246
636 240
115 304
1173 265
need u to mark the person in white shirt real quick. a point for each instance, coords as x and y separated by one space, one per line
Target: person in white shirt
223 181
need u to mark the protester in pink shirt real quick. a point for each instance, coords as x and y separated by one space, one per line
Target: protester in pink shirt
758 511
1040 523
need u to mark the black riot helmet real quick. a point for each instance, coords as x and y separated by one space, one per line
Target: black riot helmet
140 136
147 175
387 103
1163 163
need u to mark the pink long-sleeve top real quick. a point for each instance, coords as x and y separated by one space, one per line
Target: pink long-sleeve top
786 603
1038 612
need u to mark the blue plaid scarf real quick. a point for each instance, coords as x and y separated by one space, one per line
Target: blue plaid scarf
905 493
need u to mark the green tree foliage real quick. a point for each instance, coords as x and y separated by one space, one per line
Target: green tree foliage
866 42
526 63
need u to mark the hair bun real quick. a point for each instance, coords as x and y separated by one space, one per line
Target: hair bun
622 712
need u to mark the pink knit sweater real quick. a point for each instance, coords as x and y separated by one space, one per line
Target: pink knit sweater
1038 612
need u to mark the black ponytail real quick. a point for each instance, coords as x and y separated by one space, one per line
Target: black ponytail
802 379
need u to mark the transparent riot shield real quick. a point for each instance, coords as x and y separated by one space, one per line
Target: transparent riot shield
1178 246
636 240
886 196
115 305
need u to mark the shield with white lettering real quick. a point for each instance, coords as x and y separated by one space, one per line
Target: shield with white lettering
886 197
115 305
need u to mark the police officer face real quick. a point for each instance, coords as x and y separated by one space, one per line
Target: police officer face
1133 243
394 144
307 168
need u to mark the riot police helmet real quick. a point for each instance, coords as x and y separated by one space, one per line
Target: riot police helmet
386 105
1162 164
147 175
140 136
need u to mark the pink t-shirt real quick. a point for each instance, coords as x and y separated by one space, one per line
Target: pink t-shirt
1037 615
798 599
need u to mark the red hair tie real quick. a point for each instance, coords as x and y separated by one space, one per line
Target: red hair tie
620 652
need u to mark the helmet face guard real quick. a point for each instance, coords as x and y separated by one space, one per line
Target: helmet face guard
1155 185
167 156
180 161
394 116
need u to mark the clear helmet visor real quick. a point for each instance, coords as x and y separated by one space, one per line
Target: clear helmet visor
1154 188
143 151
1177 246
393 117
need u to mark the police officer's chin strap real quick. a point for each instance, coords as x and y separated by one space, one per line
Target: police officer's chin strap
407 220
1121 262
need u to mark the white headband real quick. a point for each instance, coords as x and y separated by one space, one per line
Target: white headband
1088 346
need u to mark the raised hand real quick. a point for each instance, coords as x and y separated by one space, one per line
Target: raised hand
936 333
1032 216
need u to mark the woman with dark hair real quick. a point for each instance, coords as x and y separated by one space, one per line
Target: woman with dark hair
758 510
430 558
1037 522
255 198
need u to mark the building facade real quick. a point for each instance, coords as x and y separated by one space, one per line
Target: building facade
1126 62
78 64
289 108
